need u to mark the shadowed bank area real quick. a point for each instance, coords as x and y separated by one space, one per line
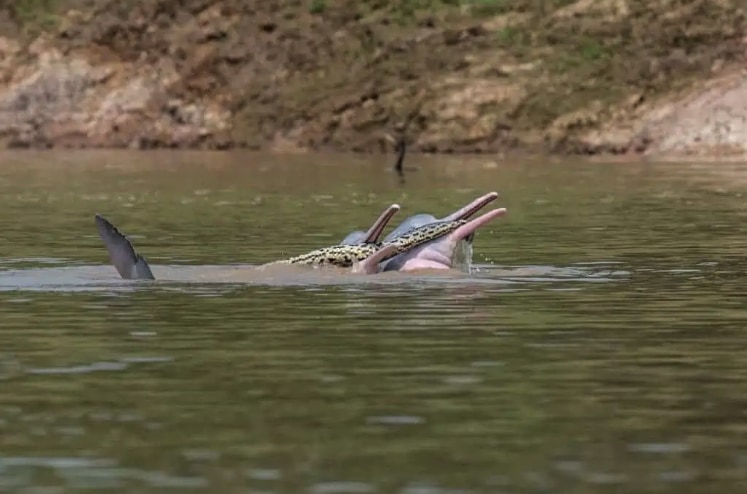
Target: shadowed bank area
564 76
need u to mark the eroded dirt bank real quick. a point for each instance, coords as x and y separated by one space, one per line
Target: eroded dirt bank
585 76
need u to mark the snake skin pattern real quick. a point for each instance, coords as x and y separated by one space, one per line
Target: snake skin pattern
345 256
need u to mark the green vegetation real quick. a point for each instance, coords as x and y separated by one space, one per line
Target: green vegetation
32 15
568 56
318 6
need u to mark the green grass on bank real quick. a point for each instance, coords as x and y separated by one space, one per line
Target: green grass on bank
32 16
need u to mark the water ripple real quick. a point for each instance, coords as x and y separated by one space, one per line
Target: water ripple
598 344
395 420
342 488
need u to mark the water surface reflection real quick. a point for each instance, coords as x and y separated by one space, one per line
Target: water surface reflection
599 345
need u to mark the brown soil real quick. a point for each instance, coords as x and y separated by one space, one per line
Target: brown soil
584 76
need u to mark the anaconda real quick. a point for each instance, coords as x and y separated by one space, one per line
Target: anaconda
348 253
345 256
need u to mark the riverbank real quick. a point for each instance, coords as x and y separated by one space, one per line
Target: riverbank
565 77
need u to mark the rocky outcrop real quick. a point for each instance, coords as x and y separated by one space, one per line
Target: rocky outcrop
619 76
709 119
51 99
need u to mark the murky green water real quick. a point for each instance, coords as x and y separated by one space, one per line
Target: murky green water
601 347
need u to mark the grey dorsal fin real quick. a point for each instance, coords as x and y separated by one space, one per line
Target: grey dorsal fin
129 264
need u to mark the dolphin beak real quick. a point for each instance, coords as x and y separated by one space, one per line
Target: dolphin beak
469 228
370 265
472 207
375 231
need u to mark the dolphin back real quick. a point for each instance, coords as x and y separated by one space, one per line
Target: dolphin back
415 221
354 238
129 264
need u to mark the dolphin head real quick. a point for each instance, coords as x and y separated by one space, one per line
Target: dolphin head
462 250
443 252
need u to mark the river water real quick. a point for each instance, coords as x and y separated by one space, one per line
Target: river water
599 346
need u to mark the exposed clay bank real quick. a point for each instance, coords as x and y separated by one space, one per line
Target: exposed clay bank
602 76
